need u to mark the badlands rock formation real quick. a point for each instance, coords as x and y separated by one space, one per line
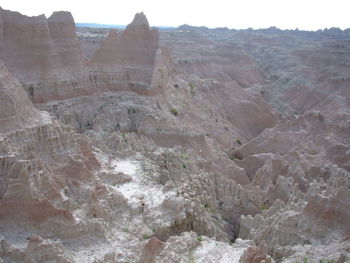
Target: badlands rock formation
172 145
16 108
126 61
44 55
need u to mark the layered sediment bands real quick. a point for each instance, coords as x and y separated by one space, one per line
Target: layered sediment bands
16 110
44 55
125 61
165 146
38 164
39 159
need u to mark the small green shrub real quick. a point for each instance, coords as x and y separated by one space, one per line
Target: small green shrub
124 137
232 157
264 207
174 112
239 142
192 90
200 238
145 236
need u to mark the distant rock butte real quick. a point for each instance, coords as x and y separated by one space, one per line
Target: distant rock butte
125 61
44 54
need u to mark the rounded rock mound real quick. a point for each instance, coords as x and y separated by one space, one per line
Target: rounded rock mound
16 110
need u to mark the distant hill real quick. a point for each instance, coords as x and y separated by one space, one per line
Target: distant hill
94 25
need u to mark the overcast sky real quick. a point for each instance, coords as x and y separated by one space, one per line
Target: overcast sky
285 14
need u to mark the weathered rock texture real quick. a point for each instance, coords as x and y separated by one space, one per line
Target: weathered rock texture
256 255
164 146
44 54
16 109
125 61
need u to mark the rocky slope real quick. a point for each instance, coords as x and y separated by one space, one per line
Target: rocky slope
176 145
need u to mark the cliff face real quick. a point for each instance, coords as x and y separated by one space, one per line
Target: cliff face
136 45
126 61
44 54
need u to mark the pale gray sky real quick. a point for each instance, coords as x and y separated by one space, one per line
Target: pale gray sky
285 14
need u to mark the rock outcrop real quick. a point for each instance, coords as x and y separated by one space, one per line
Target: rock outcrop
151 250
16 110
44 55
256 255
125 61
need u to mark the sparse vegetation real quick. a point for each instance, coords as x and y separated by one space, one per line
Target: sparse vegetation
131 111
235 156
145 236
192 90
124 137
176 85
239 141
200 238
191 258
264 207
174 111
80 202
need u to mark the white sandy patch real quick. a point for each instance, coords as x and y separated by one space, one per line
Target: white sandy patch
129 167
141 189
211 251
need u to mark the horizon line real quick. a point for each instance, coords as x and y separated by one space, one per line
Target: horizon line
78 24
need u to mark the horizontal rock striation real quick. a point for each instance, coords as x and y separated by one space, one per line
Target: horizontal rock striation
44 54
125 61
171 145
